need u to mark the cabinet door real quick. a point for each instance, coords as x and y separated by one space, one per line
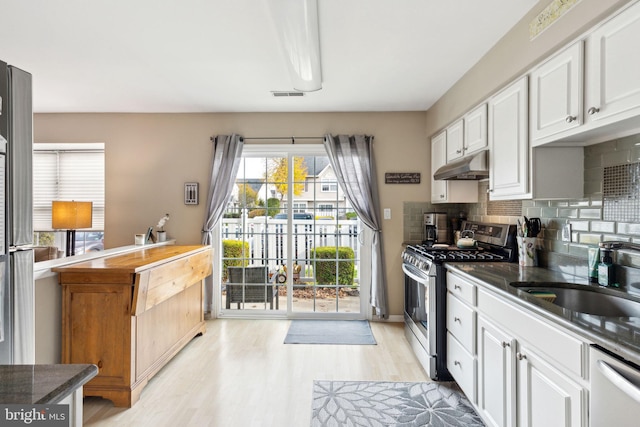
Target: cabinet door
455 137
545 396
556 94
613 65
496 375
475 130
438 159
508 143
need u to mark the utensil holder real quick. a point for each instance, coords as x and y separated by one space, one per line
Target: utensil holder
527 251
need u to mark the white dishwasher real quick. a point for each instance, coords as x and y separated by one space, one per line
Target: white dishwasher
615 391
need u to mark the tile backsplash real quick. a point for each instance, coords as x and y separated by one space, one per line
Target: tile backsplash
598 216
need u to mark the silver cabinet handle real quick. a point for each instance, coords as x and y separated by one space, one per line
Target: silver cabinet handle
570 119
593 110
455 362
458 151
619 381
457 287
442 196
521 356
457 319
505 344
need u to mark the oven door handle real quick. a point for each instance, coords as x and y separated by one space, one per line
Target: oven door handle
418 278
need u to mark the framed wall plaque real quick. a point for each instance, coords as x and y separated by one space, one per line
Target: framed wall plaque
190 193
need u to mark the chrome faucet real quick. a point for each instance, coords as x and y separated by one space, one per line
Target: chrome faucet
612 244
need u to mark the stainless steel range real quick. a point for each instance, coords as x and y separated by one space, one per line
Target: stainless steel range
426 288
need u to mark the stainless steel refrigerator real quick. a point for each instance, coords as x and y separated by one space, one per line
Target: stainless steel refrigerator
17 290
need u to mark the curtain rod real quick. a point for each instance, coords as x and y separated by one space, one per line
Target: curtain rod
292 138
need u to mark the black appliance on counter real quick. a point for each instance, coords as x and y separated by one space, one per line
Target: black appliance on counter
426 288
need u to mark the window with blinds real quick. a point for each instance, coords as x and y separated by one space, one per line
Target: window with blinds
67 172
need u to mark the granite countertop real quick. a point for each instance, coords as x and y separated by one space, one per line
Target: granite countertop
620 335
42 384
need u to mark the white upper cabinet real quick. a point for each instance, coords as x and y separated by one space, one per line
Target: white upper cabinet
509 142
448 191
455 141
467 135
612 90
438 159
475 130
556 94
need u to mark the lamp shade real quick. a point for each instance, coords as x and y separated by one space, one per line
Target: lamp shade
71 215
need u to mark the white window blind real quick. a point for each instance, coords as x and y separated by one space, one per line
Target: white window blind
67 172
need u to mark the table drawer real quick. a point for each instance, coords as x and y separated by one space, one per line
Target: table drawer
461 322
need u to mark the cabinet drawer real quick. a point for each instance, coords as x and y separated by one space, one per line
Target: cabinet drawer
462 289
564 349
461 322
462 366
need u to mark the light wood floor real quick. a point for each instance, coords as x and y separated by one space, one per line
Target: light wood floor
241 374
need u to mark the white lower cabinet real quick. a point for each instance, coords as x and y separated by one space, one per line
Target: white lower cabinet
525 371
496 375
546 397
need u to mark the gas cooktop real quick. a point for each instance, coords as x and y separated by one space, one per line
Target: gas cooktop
495 242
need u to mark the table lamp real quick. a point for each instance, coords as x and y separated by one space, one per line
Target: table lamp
71 216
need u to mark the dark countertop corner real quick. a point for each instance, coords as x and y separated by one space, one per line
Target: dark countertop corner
42 384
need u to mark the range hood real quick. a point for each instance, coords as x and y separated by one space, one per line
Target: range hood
474 167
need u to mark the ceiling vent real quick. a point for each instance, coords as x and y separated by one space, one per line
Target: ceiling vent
278 93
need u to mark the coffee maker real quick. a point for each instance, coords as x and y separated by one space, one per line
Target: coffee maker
436 228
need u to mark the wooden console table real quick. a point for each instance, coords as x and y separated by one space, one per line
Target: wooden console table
130 314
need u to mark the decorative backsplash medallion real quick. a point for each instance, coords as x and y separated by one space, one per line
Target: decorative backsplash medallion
621 193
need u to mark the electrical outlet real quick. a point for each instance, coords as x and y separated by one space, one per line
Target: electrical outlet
566 233
387 213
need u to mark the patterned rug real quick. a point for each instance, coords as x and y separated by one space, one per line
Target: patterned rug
363 403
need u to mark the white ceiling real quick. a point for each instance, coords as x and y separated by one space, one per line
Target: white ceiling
223 55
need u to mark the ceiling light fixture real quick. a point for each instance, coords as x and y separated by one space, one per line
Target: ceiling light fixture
296 22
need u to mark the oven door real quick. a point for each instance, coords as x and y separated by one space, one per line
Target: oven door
420 312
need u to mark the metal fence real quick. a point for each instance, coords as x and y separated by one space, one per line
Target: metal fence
267 239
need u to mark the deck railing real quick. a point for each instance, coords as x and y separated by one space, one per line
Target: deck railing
267 239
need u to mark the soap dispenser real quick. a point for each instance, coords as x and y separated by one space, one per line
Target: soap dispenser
605 269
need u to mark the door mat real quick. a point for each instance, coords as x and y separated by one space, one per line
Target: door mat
357 332
366 403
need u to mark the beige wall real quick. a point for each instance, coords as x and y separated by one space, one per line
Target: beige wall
149 157
513 55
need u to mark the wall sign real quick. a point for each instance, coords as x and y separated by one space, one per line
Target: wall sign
549 15
402 178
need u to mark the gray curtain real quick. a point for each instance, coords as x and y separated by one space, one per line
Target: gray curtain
227 150
352 160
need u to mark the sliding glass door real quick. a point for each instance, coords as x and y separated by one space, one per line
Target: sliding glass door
291 243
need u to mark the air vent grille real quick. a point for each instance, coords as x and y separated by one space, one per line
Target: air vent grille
281 93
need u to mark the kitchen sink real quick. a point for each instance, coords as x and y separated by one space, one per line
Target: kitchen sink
584 298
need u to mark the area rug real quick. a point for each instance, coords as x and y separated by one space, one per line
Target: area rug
330 332
364 403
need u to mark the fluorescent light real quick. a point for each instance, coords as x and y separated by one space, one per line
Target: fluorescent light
296 23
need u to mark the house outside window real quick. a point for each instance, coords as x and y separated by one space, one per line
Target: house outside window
329 185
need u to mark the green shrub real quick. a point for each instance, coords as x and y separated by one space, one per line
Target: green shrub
351 215
326 270
235 253
273 206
